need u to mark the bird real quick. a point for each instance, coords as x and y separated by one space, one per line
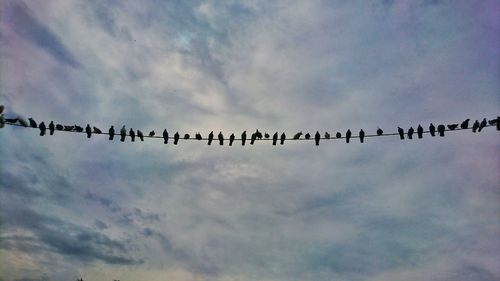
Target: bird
401 133
253 138
420 131
186 136
210 138
475 126
78 128
176 138
165 136
379 132
32 122
495 122
362 136
410 133
465 124
11 120
275 138
452 126
59 127
140 135
52 127
297 135
243 138
317 137
441 128
482 124
23 121
258 134
88 131
1 108
42 128
432 130
231 139
111 132
68 128
221 138
96 130
123 133
282 138
198 136
266 135
307 136
338 135
132 134
327 135
2 121
347 135
152 133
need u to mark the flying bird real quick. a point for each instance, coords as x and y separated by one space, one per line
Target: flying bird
32 123
347 135
338 135
282 138
432 130
327 135
42 128
165 136
186 136
475 126
152 133
176 138
123 133
452 126
52 127
379 132
111 132
401 133
243 138
231 139
410 133
210 138
140 135
441 128
132 134
307 136
88 131
96 130
420 131
361 136
221 138
275 138
198 136
465 124
297 135
482 125
317 137
59 127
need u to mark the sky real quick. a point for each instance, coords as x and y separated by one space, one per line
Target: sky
386 209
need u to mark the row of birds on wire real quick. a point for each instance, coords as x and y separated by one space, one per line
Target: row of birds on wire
123 133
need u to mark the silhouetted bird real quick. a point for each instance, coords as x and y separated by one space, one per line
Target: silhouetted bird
401 133
111 132
59 127
258 134
420 131
96 130
231 139
198 136
68 128
475 126
317 137
52 127
410 133
165 136
465 124
441 128
88 131
432 130
266 135
78 128
32 123
1 108
187 136
11 120
327 135
221 138
140 135
297 135
253 138
452 126
338 135
42 128
362 136
2 121
210 138
379 132
275 138
23 121
495 122
482 124
307 136
243 138
282 138
132 134
152 133
348 135
123 133
176 138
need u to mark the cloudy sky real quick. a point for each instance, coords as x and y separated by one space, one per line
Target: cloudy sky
384 210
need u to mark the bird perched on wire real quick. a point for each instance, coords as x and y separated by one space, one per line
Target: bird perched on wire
165 136
432 130
266 135
452 126
338 135
495 122
123 133
52 127
210 137
282 138
176 138
88 131
11 120
327 135
68 128
152 133
96 130
221 138
420 131
297 135
410 133
465 124
132 134
198 136
348 135
317 137
78 128
111 132
231 139
42 128
258 134
379 132
140 135
482 125
253 138
32 123
361 136
441 128
401 133
59 127
475 126
186 136
275 138
243 138
307 136
1 108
